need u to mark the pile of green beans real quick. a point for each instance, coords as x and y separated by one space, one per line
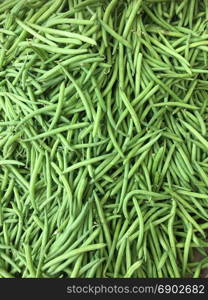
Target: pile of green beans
103 138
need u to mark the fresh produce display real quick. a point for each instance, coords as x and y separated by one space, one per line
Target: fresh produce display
103 138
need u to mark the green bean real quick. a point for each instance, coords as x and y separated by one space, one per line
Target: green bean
133 268
57 130
60 20
59 106
141 224
5 274
103 139
53 49
87 162
34 33
129 23
195 133
186 248
73 253
29 260
64 33
77 58
131 111
114 34
82 96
